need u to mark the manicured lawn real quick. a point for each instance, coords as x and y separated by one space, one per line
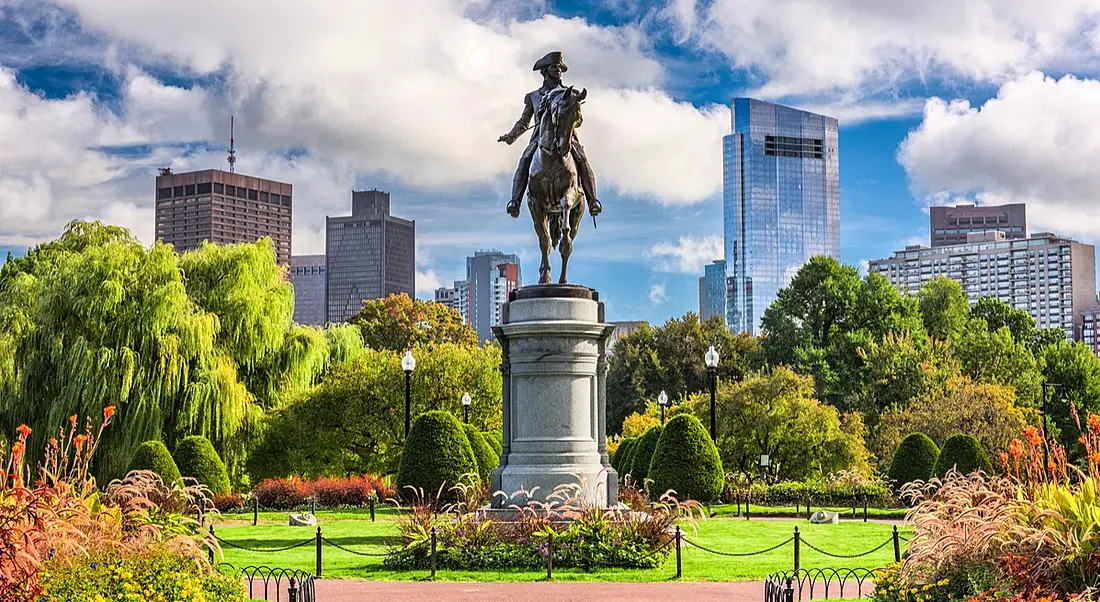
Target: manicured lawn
729 510
349 529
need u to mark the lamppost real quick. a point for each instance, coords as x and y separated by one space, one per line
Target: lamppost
466 401
711 360
408 364
1046 420
662 400
765 461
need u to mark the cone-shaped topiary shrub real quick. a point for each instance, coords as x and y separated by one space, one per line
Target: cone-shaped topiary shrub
486 458
437 454
965 454
154 456
643 454
686 461
195 457
622 456
494 441
914 460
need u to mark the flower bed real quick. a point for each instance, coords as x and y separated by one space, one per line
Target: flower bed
288 494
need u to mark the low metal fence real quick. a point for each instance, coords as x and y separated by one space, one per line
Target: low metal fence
274 584
810 584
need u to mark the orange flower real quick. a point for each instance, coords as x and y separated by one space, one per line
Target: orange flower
53 442
1032 435
24 430
1016 448
1094 457
108 412
17 449
1082 440
1004 458
1094 423
80 439
72 419
924 366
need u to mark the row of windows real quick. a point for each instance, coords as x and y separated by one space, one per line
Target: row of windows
942 231
239 192
790 146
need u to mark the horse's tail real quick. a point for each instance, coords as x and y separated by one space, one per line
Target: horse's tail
555 229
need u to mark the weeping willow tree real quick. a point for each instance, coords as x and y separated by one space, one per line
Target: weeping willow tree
195 345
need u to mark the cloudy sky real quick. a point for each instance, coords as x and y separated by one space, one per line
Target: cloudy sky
940 100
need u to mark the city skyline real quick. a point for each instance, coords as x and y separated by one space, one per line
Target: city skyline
978 110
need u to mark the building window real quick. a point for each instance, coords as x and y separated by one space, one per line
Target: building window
251 194
219 189
164 193
263 197
189 190
177 191
790 146
286 201
203 188
242 192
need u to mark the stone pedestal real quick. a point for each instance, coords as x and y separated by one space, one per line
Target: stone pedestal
554 365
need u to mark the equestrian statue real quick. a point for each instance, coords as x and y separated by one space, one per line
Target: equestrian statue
553 168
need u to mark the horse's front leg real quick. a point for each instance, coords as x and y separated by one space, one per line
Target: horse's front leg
568 228
542 228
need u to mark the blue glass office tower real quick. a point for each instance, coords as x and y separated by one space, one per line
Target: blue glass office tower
781 202
713 302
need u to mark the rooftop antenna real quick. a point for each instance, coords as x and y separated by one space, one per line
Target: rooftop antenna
232 153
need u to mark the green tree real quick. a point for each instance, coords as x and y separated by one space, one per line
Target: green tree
914 460
899 368
1074 365
487 459
963 453
686 461
398 323
437 457
639 463
353 422
776 414
997 314
195 345
154 456
994 357
196 459
944 307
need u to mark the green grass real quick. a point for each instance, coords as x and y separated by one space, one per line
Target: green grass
348 529
730 510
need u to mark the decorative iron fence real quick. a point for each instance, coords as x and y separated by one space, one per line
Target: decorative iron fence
808 584
275 584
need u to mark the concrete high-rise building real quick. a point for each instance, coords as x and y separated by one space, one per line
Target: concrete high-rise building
1090 328
369 255
223 208
1050 277
712 290
447 296
950 225
307 274
490 277
781 202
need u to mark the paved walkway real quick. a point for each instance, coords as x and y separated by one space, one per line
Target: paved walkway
337 590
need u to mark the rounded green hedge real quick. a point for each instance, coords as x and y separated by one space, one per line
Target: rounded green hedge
195 457
437 455
486 458
154 456
686 461
643 454
622 456
493 438
965 454
914 460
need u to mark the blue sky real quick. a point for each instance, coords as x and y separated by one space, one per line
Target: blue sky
986 101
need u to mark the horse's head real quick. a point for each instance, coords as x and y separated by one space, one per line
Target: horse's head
563 115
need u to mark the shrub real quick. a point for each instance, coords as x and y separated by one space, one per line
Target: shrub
196 458
686 461
486 458
493 438
963 453
621 461
154 456
336 493
282 494
643 454
914 460
437 456
229 502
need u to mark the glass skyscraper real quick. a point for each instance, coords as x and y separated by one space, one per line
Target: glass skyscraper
781 202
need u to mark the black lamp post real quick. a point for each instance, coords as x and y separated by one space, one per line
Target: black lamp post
466 401
711 360
408 364
662 400
1046 421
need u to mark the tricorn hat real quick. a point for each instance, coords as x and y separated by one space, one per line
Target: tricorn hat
550 59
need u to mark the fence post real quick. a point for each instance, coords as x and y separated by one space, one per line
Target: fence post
318 573
808 513
292 591
746 506
679 565
372 508
550 558
255 511
210 547
864 508
797 550
853 506
790 591
897 545
433 551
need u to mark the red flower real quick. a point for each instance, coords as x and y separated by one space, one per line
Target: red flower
80 439
1004 458
17 449
53 442
1032 435
24 430
108 412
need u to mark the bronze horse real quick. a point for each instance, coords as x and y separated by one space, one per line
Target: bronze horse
553 195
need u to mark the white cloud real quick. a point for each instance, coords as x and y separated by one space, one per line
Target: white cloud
426 282
657 294
688 256
1036 142
864 265
809 46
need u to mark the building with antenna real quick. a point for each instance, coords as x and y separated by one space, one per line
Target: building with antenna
223 207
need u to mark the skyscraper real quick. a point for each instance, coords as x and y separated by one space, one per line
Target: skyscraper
223 208
490 277
950 225
781 202
368 255
307 274
712 290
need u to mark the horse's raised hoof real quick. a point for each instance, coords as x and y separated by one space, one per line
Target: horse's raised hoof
513 208
545 279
